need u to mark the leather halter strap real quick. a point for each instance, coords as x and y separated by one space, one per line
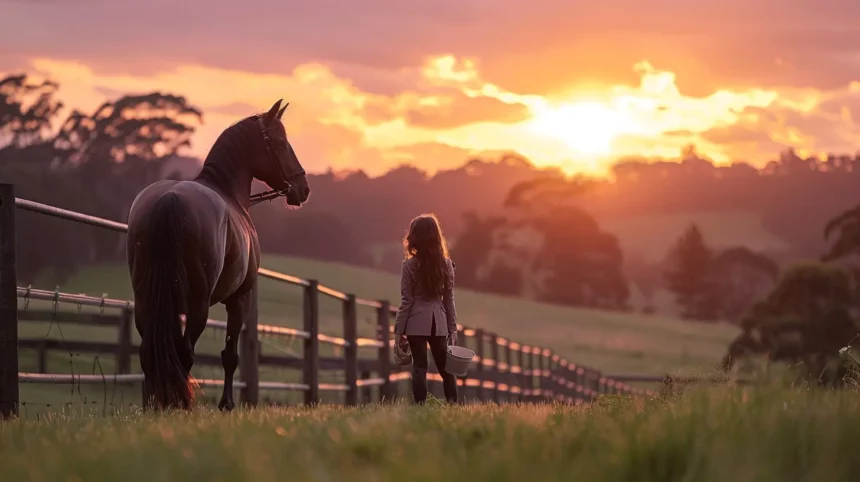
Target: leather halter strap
285 177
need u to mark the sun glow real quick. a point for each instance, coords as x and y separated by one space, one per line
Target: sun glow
586 127
341 126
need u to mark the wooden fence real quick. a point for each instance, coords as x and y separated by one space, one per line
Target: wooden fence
503 370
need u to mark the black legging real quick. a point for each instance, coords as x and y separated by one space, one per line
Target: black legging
439 349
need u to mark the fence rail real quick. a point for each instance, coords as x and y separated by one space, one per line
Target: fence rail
511 371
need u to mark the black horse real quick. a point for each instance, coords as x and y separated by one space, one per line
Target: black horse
192 244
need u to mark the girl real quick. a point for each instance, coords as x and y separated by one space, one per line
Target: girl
427 314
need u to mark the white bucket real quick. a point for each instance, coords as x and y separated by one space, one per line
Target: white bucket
458 360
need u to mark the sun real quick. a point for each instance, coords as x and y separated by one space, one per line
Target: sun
586 127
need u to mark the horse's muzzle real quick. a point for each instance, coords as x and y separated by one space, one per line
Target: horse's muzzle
298 195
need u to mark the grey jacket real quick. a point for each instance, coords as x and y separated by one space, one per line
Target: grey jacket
417 310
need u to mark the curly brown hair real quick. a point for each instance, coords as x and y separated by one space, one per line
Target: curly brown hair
425 242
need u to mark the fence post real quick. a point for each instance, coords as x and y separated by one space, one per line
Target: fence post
311 355
350 327
563 381
552 364
249 356
570 381
8 306
585 376
580 384
522 378
577 386
541 366
530 378
561 371
494 352
553 375
479 368
537 374
509 375
384 335
366 392
123 354
593 383
555 383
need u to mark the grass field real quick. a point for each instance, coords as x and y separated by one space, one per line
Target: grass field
711 435
609 341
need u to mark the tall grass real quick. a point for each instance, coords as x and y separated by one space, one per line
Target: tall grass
707 434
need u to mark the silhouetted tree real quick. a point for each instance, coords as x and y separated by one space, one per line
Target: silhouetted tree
847 242
579 264
473 247
803 322
93 163
742 276
23 125
576 263
690 276
547 191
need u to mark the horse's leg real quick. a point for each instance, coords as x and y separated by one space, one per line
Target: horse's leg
195 323
201 277
239 307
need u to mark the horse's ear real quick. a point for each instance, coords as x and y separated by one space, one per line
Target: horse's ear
281 112
270 116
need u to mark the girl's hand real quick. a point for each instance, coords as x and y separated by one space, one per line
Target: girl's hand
401 339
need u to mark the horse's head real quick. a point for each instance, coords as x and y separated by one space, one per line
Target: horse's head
277 165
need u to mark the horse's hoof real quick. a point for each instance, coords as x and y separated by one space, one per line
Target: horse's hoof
226 406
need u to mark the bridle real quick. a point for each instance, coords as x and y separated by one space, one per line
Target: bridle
274 193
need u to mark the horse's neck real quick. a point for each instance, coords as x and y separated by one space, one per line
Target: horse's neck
227 177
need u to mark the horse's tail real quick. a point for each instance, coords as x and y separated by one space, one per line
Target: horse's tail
164 354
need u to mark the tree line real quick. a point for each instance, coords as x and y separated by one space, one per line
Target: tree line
92 162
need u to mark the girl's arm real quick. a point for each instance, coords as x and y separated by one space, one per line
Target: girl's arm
448 300
406 276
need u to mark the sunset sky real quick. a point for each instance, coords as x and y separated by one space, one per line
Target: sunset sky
375 83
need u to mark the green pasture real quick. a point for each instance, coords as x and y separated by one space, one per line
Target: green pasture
707 435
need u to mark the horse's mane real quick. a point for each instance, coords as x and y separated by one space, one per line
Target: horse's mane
235 133
221 166
226 158
231 141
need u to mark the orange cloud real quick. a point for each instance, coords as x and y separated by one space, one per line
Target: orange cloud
458 109
548 47
437 114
